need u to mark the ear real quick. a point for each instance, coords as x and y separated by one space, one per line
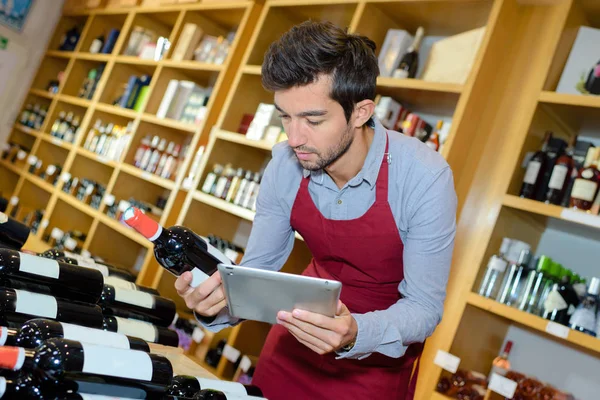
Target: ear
362 112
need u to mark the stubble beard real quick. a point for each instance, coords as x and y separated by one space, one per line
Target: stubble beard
332 155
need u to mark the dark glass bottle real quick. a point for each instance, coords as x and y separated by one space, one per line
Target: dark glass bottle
561 301
188 386
62 280
21 305
213 356
584 318
105 269
36 331
592 83
210 394
410 61
143 330
535 170
177 249
13 234
560 174
158 310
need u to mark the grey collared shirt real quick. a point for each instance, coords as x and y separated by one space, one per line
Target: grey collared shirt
423 201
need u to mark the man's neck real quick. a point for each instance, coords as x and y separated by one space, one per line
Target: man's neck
349 164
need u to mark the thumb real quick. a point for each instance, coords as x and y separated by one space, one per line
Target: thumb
340 308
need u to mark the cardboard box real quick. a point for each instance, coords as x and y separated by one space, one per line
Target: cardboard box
396 42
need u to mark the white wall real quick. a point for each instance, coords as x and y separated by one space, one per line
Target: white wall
29 46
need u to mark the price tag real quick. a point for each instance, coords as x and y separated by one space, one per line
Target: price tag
558 330
56 141
103 160
187 183
245 364
447 361
503 386
146 175
198 334
231 353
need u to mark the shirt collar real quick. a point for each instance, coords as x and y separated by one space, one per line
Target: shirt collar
370 169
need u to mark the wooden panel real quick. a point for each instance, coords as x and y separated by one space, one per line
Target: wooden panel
248 94
101 25
50 154
31 197
8 181
83 167
127 254
67 218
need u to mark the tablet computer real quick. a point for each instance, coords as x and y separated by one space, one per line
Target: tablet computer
258 295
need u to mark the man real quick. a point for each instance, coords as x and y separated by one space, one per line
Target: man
377 210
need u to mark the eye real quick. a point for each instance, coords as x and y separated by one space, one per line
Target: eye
284 116
314 123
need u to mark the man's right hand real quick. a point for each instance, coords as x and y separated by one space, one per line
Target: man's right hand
207 299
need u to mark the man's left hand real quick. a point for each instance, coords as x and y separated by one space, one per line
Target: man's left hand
319 333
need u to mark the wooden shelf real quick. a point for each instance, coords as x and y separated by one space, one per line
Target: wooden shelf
439 396
552 211
223 205
147 176
84 208
123 230
59 53
36 180
42 93
11 166
533 321
570 99
241 139
133 60
170 123
192 65
97 158
27 130
76 101
252 69
116 110
56 141
418 84
93 57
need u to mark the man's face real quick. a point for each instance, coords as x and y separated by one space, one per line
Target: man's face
314 123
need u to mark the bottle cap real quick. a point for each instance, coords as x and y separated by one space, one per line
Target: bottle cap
12 358
497 264
594 287
543 264
139 221
508 346
524 256
505 245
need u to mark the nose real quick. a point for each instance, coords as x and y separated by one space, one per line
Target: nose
294 133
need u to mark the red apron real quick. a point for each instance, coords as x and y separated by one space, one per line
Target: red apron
365 254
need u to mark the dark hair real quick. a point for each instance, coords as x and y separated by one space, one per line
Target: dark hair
314 48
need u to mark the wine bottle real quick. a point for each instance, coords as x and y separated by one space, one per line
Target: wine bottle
561 301
177 249
13 234
21 305
58 356
24 386
561 171
592 84
410 61
209 394
143 330
188 386
62 280
158 310
535 170
35 331
122 283
501 364
105 269
585 187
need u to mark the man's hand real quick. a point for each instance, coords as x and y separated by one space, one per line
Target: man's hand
207 299
319 333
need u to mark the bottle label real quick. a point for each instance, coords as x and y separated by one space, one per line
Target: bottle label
95 336
121 363
245 364
533 170
231 353
119 283
555 301
503 386
447 361
134 297
138 329
39 266
3 335
198 277
557 179
12 358
3 218
584 189
98 267
40 305
223 386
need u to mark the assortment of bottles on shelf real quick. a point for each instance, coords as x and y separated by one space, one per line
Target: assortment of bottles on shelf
104 45
236 186
264 124
184 101
157 157
33 116
72 240
115 209
109 141
564 174
541 287
146 44
15 153
90 83
133 94
66 126
18 155
85 190
195 43
230 250
395 116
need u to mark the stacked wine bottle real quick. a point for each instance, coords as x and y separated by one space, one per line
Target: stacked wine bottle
74 327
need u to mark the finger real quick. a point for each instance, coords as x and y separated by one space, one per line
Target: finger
214 310
182 284
340 308
331 337
310 346
215 297
205 289
306 337
315 319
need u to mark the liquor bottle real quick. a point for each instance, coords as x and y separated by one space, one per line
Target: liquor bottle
592 84
561 301
143 330
410 61
24 117
584 318
163 159
36 331
235 185
105 269
13 234
223 181
177 249
62 280
97 44
21 305
56 357
536 282
213 356
21 386
188 386
92 134
64 126
141 150
72 131
585 187
147 156
56 125
158 310
535 170
492 280
211 179
155 156
122 283
501 365
512 276
210 394
243 190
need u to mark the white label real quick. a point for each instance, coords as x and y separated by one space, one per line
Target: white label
584 190
533 169
198 334
497 264
39 266
198 277
123 205
503 386
103 160
557 179
231 353
37 304
3 218
223 386
65 177
14 201
94 336
231 254
138 329
447 361
109 200
89 190
245 364
85 263
119 363
31 160
555 301
141 299
119 283
558 330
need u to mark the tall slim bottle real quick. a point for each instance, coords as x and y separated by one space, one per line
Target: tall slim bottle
492 280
